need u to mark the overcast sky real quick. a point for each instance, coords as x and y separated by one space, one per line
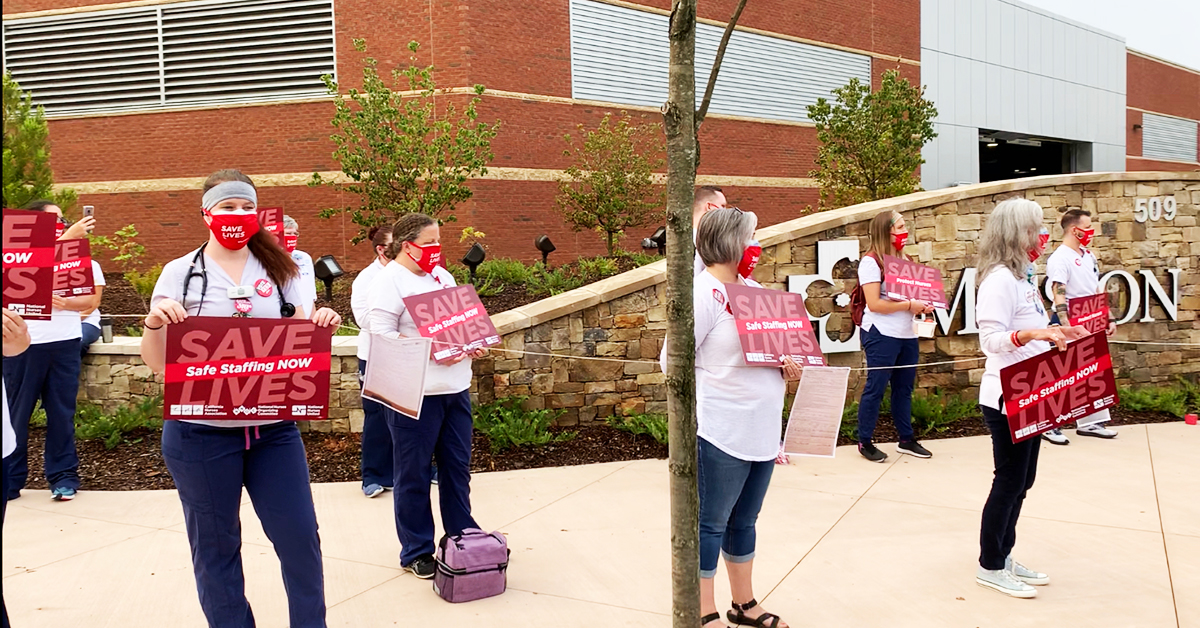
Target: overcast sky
1163 28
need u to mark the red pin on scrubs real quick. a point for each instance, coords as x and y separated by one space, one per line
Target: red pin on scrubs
243 305
263 288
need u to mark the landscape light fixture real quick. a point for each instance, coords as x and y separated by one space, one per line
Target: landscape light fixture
547 247
474 257
657 241
326 268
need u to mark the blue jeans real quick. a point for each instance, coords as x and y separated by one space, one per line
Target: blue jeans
210 465
884 350
48 372
376 440
731 495
91 334
444 434
1016 468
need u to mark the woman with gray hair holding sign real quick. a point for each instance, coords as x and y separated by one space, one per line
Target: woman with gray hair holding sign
738 414
1013 326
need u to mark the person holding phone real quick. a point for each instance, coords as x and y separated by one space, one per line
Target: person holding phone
240 271
1013 326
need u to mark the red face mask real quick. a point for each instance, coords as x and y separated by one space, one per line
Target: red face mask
1085 236
1043 238
899 240
60 228
749 259
234 230
289 243
431 256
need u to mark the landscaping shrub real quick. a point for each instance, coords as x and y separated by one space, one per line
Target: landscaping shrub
1176 400
934 412
637 424
507 424
93 423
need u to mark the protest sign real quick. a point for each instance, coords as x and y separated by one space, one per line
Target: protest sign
904 281
1089 312
29 262
1057 387
816 415
395 374
73 268
454 319
271 219
772 324
246 368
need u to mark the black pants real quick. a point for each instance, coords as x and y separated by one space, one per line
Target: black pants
1016 467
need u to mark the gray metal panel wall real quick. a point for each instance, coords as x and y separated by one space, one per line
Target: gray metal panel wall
620 55
1164 137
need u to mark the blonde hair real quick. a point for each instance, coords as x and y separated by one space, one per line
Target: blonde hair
879 234
1011 232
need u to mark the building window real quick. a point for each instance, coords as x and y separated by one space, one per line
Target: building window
620 55
1164 137
180 54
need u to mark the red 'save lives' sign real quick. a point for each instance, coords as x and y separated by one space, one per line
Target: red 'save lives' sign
904 280
29 262
1089 312
1058 387
772 324
454 319
246 368
271 218
73 268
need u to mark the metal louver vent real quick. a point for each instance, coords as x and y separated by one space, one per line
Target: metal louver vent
193 53
1164 137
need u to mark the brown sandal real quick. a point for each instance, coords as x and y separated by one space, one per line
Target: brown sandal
766 620
708 619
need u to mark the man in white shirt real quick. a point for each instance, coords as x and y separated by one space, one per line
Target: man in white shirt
308 278
1072 272
707 198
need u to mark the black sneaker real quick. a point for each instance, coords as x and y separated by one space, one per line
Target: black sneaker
913 448
871 452
423 567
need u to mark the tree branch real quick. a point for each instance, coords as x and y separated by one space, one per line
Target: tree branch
716 66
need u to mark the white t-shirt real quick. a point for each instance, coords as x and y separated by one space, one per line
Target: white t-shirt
739 409
63 324
93 319
308 280
1006 304
1079 272
387 316
10 437
215 301
894 325
358 304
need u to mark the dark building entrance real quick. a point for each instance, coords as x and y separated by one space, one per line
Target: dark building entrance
1005 155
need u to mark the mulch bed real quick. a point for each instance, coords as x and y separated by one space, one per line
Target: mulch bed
138 463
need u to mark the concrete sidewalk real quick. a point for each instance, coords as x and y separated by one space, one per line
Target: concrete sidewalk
842 542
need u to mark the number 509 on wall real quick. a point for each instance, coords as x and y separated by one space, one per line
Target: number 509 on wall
1154 209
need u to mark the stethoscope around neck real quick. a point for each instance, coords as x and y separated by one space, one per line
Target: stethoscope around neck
286 310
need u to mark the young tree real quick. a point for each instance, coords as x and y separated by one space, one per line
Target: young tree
871 141
401 152
610 185
27 175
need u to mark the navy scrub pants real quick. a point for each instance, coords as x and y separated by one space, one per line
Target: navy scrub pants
210 465
376 440
884 350
4 486
48 372
443 432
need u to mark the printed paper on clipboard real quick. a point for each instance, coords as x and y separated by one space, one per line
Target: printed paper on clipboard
395 374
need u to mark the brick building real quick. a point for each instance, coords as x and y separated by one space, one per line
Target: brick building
148 97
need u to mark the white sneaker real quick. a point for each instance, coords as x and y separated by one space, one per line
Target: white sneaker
1097 430
1005 582
1056 436
1027 575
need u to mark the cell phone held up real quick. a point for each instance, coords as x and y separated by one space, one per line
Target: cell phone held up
89 210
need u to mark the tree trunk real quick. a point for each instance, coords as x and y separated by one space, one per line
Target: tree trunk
679 114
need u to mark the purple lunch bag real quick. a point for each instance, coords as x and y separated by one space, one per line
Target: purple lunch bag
471 566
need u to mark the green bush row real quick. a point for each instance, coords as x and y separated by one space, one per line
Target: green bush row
92 422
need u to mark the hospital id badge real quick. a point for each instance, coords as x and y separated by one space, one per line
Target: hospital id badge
240 292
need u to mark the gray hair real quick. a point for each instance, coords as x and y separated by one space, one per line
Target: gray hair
290 223
722 235
1011 232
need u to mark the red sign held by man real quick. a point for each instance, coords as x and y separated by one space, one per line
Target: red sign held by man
1089 312
772 324
29 262
904 280
1058 387
454 319
73 268
246 368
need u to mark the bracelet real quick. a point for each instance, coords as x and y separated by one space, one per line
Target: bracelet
144 325
1016 339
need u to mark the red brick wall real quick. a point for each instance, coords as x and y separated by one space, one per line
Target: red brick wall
1133 139
1138 164
1162 88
